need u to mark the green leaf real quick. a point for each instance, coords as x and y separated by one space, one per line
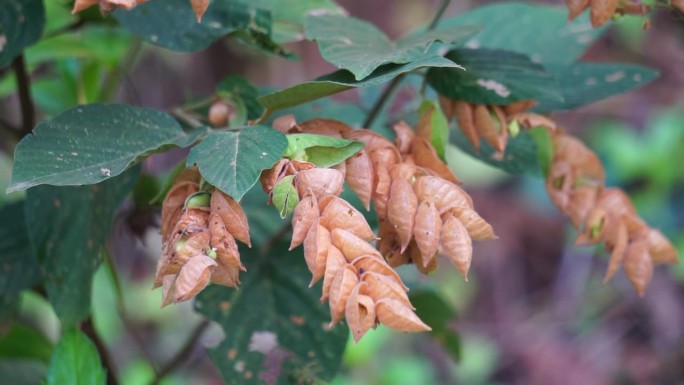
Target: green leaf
75 361
323 151
285 196
240 91
25 342
19 265
521 156
275 325
172 23
68 228
541 32
544 144
361 48
289 16
585 83
233 160
343 80
438 314
493 77
23 372
88 144
439 126
21 24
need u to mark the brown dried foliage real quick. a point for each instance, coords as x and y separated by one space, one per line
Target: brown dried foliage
603 10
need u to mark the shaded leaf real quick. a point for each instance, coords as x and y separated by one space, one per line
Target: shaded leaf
21 24
68 228
23 372
585 83
284 339
321 150
285 196
439 126
438 314
23 342
493 77
359 47
233 160
239 90
88 144
343 80
75 361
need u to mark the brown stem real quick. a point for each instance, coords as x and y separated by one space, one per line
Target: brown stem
89 329
28 112
182 354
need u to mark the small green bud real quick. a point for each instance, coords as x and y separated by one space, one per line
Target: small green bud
514 128
200 199
180 244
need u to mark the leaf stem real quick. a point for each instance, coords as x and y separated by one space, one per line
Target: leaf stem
28 112
182 354
387 93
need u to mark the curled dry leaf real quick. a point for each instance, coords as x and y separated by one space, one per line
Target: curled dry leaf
341 288
360 312
321 182
457 245
223 243
398 316
352 246
401 210
232 215
338 213
334 262
193 277
638 266
304 216
360 176
427 230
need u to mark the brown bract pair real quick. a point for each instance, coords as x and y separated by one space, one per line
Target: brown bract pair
604 10
576 185
199 232
488 122
108 6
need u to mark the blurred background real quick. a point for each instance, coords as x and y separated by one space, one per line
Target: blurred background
535 310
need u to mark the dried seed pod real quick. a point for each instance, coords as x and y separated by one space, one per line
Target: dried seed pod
341 288
478 228
445 194
172 208
660 248
465 116
168 289
316 245
334 262
338 213
360 312
424 155
457 245
405 136
224 243
304 216
232 215
427 230
602 11
381 286
376 264
193 277
360 176
618 253
350 245
422 263
398 316
401 210
638 266
321 181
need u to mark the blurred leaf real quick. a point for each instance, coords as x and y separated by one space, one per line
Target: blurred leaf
359 47
90 143
521 156
541 32
22 372
233 160
19 264
323 151
285 196
21 24
438 314
493 77
239 90
439 126
25 342
275 325
173 25
585 83
75 361
343 80
544 144
68 228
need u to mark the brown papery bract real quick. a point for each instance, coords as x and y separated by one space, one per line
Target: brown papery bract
338 213
172 208
360 176
360 311
334 262
478 228
193 277
602 11
341 288
427 230
576 7
398 316
381 286
316 246
305 215
638 266
444 194
233 216
424 155
321 182
350 245
457 244
402 206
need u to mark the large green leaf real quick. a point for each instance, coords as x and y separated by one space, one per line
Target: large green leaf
493 77
243 94
172 23
68 228
361 48
75 361
20 268
541 32
88 144
275 325
323 151
289 16
585 83
21 24
437 313
233 160
24 341
343 80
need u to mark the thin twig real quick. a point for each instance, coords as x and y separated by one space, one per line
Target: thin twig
89 329
182 354
387 93
28 112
